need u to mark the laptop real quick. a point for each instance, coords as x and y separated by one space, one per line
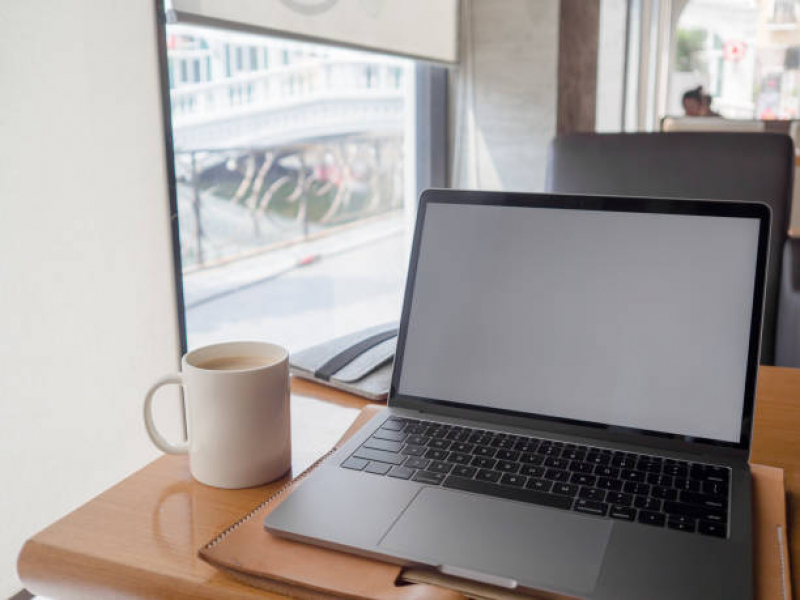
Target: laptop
571 401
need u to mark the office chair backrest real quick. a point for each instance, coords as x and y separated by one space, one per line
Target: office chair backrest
712 166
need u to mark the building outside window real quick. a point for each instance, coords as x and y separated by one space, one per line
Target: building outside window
292 186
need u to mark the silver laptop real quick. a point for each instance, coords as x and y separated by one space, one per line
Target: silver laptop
571 402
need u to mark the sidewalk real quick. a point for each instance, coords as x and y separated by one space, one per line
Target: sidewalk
304 294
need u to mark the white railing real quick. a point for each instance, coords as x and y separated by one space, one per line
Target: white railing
284 86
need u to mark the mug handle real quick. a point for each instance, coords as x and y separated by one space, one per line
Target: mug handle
155 436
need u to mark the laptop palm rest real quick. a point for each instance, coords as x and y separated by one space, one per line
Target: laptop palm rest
460 531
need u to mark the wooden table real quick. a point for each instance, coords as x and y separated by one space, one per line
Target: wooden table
140 538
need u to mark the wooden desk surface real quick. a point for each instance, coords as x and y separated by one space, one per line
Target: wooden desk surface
140 538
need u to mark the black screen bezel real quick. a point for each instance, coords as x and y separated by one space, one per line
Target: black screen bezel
749 210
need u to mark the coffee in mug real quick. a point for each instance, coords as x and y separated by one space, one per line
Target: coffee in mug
237 401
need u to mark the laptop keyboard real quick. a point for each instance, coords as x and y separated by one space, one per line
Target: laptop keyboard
655 491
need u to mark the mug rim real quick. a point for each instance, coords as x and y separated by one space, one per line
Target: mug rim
275 355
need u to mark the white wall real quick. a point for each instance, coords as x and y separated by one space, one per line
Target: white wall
87 314
504 95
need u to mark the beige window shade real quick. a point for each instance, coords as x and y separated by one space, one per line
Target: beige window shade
422 29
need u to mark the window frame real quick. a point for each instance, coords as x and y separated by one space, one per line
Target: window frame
432 152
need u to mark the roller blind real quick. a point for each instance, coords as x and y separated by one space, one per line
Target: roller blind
422 29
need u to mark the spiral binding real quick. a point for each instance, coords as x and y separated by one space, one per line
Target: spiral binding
278 493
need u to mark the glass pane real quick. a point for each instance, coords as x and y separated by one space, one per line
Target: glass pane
291 186
739 59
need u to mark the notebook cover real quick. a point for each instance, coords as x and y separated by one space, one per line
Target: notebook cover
247 552
368 375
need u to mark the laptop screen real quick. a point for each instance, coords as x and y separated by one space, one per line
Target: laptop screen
630 319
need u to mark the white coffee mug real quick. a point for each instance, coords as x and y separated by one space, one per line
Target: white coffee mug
237 399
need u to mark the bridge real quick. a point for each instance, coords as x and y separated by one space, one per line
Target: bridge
296 103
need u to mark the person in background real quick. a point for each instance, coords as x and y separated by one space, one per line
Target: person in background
693 102
698 104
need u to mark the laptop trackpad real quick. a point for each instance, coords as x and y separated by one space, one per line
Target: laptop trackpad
539 547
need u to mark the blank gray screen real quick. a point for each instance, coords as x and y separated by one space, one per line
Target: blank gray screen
633 319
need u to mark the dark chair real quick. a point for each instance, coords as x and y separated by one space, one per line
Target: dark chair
711 166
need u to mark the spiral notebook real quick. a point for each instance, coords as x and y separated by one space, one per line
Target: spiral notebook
250 554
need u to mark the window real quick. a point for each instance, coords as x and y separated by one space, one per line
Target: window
295 189
743 53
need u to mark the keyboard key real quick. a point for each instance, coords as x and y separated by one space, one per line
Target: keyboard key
440 467
590 493
647 503
623 461
486 451
439 444
436 454
631 487
549 450
624 513
574 454
417 463
508 492
428 477
577 466
619 498
582 479
483 462
506 466
541 485
651 518
379 455
662 480
463 471
393 425
458 458
383 445
556 475
507 455
462 447
664 493
532 471
438 432
704 500
393 436
714 529
714 488
418 440
591 507
631 475
355 463
696 512
411 450
526 445
531 459
690 485
556 463
512 479
675 470
503 443
378 468
679 526
565 489
488 475
710 473
649 467
401 472
598 459
604 471
607 483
